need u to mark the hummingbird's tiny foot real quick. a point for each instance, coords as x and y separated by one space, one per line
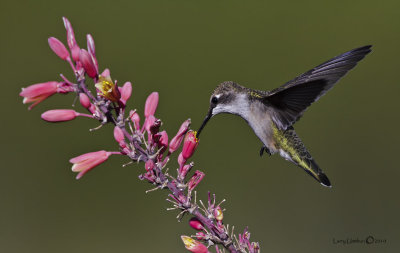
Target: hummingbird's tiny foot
262 151
264 148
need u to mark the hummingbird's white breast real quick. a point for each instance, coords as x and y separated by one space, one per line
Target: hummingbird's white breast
256 114
260 121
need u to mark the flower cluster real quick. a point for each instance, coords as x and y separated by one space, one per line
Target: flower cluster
139 141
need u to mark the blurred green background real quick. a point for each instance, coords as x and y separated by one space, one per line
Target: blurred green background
183 49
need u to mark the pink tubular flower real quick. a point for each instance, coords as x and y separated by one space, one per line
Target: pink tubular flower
162 139
86 162
75 53
73 46
149 122
59 115
134 116
195 180
193 246
84 100
87 63
175 143
177 140
189 144
183 170
90 44
196 224
91 50
58 48
181 160
118 134
92 108
184 127
36 93
151 104
70 33
126 92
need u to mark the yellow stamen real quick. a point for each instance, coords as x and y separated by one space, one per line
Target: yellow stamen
108 89
195 136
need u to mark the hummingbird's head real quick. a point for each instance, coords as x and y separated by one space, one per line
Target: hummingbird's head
223 100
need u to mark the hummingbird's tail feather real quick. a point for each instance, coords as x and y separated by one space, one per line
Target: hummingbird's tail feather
292 148
317 173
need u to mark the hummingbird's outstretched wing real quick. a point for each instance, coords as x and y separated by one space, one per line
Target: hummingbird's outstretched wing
291 99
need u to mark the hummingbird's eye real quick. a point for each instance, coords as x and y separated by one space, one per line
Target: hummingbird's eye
214 100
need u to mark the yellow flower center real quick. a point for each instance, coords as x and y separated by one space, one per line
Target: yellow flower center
108 88
105 85
188 241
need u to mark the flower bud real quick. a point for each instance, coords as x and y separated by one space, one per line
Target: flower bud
149 122
134 116
70 33
91 51
195 180
126 92
175 143
84 100
92 108
151 104
177 140
96 64
184 127
58 48
59 115
194 246
87 63
181 160
183 170
196 224
190 144
73 46
75 54
118 134
90 44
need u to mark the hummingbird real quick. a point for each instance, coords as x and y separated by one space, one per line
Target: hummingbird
271 114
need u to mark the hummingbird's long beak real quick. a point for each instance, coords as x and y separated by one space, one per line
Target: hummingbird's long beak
206 119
